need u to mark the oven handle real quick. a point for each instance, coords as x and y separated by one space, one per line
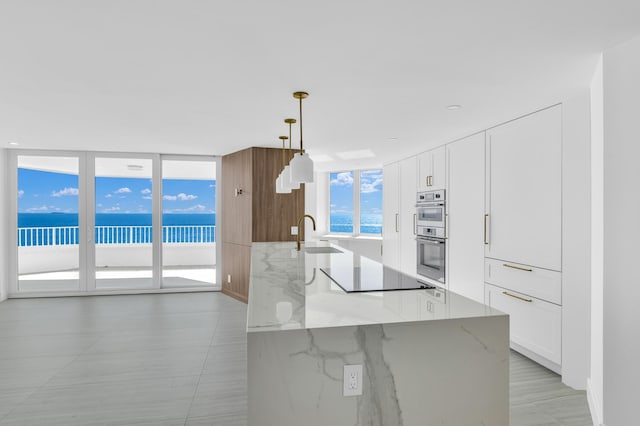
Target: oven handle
429 240
437 204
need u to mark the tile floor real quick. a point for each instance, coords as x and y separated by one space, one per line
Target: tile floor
170 359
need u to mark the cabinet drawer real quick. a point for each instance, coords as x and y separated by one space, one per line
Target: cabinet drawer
539 283
534 324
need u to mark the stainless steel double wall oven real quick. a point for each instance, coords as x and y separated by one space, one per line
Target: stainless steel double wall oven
431 235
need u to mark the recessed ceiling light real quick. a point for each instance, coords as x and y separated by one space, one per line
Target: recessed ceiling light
135 167
13 143
453 107
392 139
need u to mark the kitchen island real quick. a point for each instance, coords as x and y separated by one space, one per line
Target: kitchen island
429 357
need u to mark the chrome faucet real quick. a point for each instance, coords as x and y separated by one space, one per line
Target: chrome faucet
313 221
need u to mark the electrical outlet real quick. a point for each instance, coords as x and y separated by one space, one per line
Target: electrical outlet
294 230
352 380
228 278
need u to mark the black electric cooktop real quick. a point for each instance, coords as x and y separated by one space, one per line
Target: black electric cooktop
355 279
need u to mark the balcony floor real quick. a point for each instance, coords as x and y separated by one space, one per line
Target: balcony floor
124 279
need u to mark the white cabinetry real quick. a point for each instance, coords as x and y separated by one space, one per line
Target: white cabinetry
523 231
465 208
524 184
398 228
407 192
391 216
432 169
535 325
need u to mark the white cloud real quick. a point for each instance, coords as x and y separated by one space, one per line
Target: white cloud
197 208
108 196
20 193
370 181
186 197
146 197
99 205
43 208
111 209
181 196
65 192
212 186
146 191
124 190
343 179
368 187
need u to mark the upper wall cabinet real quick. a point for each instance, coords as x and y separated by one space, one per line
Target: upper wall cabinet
432 169
523 190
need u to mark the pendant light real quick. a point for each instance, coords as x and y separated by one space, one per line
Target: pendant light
301 165
292 183
282 183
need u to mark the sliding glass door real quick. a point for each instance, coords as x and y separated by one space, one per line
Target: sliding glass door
112 223
188 222
48 238
123 223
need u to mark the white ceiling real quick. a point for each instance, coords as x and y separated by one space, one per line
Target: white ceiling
211 77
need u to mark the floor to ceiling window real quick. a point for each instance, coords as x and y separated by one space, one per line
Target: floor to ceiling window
109 223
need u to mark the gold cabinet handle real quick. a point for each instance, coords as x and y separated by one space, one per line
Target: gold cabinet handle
415 225
506 265
506 293
446 226
486 241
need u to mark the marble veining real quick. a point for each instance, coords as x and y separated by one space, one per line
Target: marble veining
379 404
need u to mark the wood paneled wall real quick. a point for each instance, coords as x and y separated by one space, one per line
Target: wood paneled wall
258 214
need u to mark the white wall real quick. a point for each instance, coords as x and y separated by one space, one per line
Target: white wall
575 239
594 385
621 71
4 280
316 202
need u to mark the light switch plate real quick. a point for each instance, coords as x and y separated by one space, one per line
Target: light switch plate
352 382
294 230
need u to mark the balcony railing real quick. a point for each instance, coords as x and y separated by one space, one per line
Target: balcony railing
117 234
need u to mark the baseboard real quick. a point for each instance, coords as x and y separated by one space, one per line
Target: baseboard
240 297
596 415
537 358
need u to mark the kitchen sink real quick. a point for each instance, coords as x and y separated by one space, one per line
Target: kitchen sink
321 250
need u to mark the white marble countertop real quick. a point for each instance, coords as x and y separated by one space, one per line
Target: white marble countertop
288 291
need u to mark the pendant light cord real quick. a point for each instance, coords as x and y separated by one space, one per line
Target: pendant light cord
301 149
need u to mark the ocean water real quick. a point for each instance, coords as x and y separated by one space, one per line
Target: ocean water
370 224
41 220
37 229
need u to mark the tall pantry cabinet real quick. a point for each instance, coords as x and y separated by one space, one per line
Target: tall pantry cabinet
465 216
523 220
398 232
253 212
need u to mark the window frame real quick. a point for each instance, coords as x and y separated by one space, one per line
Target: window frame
356 203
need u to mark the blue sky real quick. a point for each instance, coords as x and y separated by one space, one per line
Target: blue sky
46 192
370 192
